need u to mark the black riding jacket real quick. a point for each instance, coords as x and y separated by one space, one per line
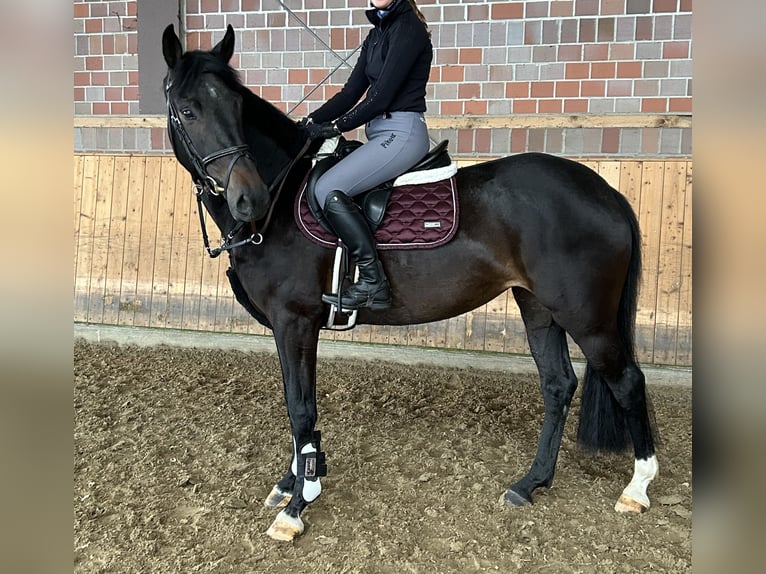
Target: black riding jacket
393 68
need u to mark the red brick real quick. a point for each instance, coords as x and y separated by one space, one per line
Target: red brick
434 76
464 141
81 10
469 91
276 19
113 94
297 76
132 8
680 105
562 8
593 89
94 25
470 56
686 6
644 28
622 51
337 39
665 6
79 94
610 140
508 11
575 71
94 63
157 136
549 107
476 107
629 69
451 108
517 90
130 94
82 79
602 70
542 89
453 73
483 140
567 89
675 50
353 37
208 6
101 108
108 44
119 108
654 105
524 106
251 5
612 7
518 140
272 93
575 106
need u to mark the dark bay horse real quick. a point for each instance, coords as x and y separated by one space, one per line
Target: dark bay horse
550 229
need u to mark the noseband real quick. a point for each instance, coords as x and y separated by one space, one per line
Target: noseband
204 182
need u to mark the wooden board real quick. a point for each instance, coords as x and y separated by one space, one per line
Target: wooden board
132 240
650 220
116 240
100 238
684 342
669 263
147 241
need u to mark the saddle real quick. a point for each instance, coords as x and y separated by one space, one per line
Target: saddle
415 210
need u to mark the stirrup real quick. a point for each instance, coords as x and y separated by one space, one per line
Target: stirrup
337 283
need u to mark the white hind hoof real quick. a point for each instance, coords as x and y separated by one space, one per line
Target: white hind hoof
627 504
285 528
277 498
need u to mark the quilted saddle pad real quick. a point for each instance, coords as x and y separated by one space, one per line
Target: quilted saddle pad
418 217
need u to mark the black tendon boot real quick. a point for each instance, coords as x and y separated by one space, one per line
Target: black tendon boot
371 290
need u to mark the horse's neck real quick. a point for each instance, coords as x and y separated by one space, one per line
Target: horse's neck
274 138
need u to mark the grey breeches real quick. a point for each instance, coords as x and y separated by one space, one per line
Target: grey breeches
394 144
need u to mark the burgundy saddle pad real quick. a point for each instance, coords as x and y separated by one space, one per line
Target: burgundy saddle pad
418 217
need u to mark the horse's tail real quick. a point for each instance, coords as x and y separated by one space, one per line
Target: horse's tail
602 420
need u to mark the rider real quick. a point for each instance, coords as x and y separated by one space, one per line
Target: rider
393 68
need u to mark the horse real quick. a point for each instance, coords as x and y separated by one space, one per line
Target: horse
552 230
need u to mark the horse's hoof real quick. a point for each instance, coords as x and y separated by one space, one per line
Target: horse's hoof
512 498
285 528
277 498
628 504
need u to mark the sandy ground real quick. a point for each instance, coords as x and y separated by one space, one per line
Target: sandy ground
175 450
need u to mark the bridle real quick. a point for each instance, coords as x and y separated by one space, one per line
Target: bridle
204 182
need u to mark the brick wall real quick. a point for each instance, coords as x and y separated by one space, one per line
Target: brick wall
491 60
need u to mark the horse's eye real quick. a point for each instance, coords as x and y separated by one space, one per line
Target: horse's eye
187 113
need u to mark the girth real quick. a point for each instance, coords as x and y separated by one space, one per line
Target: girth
373 203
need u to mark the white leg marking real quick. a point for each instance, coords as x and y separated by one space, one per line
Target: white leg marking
634 497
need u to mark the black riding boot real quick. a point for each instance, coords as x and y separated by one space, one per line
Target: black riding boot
371 290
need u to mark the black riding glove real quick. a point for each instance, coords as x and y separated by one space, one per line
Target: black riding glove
324 130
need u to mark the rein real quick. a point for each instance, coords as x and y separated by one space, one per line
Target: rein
203 181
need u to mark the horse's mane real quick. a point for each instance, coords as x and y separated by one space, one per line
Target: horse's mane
272 136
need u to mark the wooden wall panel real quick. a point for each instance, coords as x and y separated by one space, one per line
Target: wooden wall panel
139 260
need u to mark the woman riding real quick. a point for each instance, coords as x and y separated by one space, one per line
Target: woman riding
393 69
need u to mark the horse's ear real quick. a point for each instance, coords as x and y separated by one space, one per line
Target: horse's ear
171 47
225 48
